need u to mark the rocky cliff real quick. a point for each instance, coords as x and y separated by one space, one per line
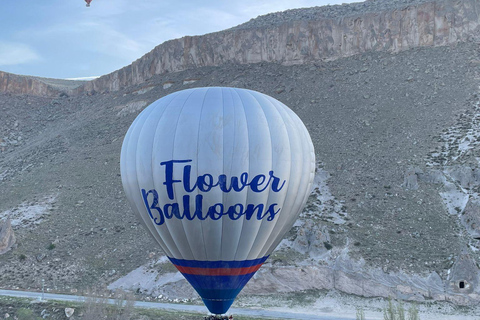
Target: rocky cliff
302 38
15 84
36 86
291 37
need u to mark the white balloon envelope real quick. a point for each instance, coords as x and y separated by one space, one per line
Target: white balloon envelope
217 176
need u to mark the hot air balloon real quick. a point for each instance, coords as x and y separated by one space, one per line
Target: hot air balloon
217 176
88 2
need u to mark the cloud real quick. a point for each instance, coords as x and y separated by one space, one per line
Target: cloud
84 78
12 53
87 37
106 39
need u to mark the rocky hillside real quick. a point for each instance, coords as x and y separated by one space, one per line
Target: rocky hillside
396 207
308 35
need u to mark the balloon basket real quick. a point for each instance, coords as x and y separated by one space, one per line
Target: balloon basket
218 317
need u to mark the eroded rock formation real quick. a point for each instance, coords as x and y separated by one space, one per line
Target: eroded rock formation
435 23
7 237
15 84
295 40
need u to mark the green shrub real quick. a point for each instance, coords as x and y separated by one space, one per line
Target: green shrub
389 311
392 312
360 314
413 313
26 314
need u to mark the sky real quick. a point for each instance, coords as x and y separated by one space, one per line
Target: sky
64 39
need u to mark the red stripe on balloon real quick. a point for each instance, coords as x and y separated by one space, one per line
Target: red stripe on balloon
218 271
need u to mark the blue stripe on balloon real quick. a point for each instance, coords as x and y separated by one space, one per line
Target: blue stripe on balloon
218 284
217 264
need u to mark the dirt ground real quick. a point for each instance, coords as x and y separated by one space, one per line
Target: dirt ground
372 117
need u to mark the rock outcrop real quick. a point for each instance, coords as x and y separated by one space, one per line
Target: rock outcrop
434 23
69 312
297 39
15 84
7 237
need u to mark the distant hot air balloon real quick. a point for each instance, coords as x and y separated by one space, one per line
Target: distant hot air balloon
217 176
88 2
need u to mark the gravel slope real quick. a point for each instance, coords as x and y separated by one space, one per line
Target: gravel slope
373 118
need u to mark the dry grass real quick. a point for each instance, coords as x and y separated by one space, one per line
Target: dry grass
97 307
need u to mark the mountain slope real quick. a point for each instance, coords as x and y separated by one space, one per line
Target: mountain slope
307 35
396 211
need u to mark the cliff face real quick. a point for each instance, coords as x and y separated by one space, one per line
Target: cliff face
289 41
15 84
436 23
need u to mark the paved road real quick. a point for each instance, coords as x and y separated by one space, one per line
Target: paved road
257 313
